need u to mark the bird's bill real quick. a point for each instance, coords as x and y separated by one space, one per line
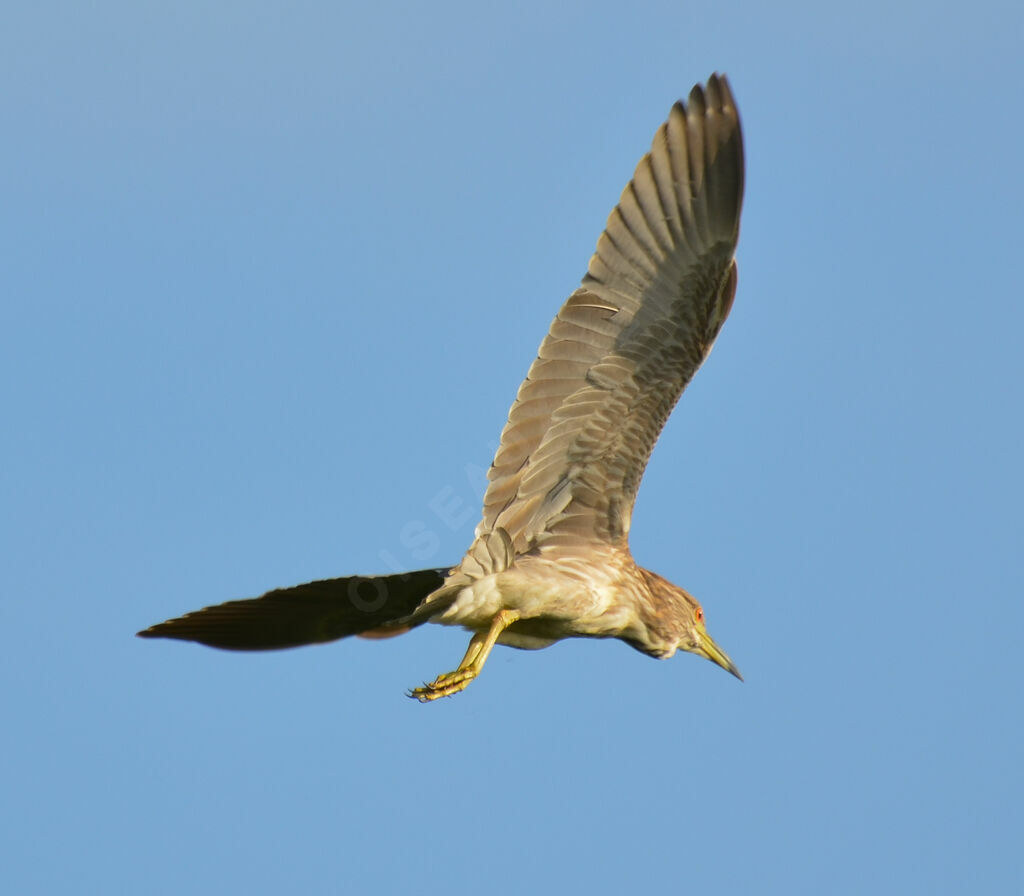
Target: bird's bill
710 650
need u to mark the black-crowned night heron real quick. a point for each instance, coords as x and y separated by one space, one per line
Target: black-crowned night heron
551 557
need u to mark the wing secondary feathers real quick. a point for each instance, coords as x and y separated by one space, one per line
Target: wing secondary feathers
625 344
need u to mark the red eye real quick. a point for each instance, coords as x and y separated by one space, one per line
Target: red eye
699 614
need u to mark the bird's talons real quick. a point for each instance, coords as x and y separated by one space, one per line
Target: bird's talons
476 655
444 685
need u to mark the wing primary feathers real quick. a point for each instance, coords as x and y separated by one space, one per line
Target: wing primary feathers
313 613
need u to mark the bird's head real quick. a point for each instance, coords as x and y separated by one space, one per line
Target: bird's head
675 621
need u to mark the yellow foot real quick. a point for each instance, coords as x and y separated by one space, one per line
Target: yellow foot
476 655
444 685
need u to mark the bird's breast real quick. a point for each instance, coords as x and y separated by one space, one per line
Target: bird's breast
552 604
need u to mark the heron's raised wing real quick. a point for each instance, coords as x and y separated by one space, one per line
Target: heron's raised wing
626 343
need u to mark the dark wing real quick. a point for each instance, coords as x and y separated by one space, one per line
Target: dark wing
306 614
626 343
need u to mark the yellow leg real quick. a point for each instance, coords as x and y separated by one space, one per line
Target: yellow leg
476 655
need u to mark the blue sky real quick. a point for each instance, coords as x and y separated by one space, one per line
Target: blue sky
271 275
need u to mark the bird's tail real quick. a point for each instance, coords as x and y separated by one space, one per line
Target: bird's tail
372 606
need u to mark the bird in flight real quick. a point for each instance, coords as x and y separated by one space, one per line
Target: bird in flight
550 557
